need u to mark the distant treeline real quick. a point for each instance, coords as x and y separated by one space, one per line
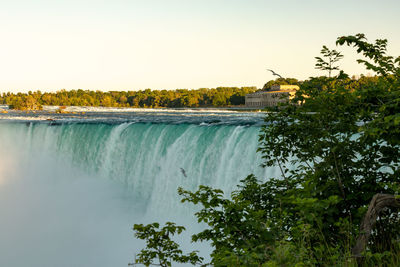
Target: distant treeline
216 97
203 97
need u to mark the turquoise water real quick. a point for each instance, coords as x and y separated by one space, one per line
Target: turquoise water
103 176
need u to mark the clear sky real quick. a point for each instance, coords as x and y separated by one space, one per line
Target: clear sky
49 45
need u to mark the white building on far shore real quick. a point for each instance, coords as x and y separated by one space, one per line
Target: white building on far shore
271 98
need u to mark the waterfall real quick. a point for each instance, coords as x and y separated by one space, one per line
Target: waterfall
71 192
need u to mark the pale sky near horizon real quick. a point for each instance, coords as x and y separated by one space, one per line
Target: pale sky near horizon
106 45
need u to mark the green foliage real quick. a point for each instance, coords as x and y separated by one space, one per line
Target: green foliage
160 247
384 98
218 97
280 81
237 226
25 102
336 143
338 149
382 64
332 56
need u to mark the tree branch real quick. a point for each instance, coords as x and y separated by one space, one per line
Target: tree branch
378 203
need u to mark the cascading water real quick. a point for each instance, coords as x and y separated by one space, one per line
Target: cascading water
70 192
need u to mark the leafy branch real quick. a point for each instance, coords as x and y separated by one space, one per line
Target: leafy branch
159 246
332 56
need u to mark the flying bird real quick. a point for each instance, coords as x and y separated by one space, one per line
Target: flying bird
183 172
275 74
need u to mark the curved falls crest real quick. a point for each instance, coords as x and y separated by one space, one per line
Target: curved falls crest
114 175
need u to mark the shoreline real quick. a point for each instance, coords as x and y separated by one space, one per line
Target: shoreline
67 109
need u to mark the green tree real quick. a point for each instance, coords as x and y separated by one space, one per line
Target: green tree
148 98
336 144
160 246
332 56
24 102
